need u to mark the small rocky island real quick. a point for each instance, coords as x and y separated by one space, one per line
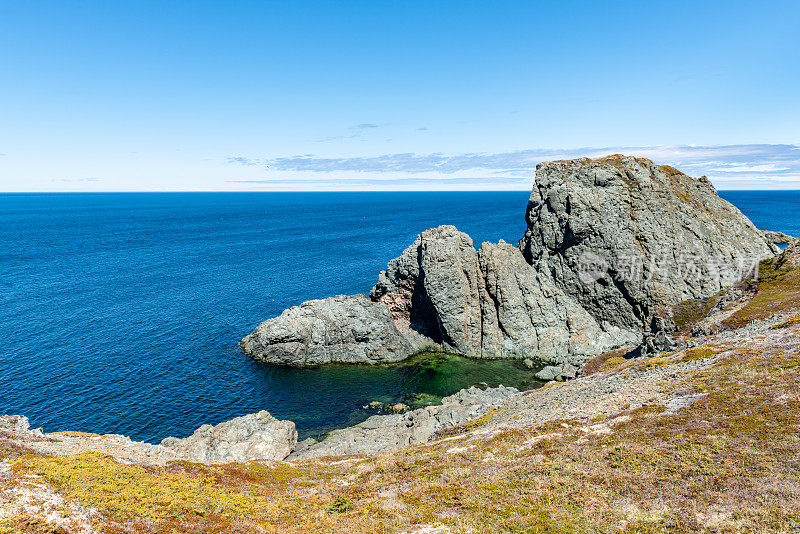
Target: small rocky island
610 244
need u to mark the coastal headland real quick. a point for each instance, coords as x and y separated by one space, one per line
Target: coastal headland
671 325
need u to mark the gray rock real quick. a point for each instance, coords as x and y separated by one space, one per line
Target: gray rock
337 329
257 436
609 244
624 236
569 371
778 238
525 314
488 303
16 424
791 256
382 433
551 372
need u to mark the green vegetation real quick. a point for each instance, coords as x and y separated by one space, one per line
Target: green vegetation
338 505
778 292
690 312
700 353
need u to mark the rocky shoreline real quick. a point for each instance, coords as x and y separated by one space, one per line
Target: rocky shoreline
561 296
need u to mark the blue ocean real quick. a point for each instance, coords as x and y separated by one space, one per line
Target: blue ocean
122 312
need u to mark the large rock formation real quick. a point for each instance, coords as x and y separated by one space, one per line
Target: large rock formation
487 303
625 236
610 242
350 329
256 436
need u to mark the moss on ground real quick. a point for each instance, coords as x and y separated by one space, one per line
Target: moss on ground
778 293
700 353
690 312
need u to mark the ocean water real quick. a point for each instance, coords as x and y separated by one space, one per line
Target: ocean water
122 312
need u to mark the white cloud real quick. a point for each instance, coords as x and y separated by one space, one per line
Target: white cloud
732 165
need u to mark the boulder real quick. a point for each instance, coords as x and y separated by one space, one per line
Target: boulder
550 372
257 436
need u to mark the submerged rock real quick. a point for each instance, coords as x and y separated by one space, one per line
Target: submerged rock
257 436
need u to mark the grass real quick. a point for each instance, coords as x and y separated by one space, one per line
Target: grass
27 525
690 312
728 463
778 292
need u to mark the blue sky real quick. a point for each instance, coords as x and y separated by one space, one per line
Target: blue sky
108 96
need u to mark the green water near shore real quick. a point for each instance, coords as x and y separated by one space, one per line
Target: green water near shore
421 380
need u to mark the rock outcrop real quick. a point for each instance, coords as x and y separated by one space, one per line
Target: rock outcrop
624 236
487 303
778 238
349 329
791 256
256 436
382 433
610 244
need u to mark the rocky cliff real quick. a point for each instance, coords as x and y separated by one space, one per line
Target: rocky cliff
610 242
624 236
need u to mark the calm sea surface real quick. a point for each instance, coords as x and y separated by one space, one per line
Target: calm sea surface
122 312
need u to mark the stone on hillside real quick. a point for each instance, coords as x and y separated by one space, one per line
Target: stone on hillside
257 436
551 372
389 432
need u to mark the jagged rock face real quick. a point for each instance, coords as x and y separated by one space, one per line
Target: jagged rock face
337 329
256 436
485 303
624 236
778 238
525 314
433 288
